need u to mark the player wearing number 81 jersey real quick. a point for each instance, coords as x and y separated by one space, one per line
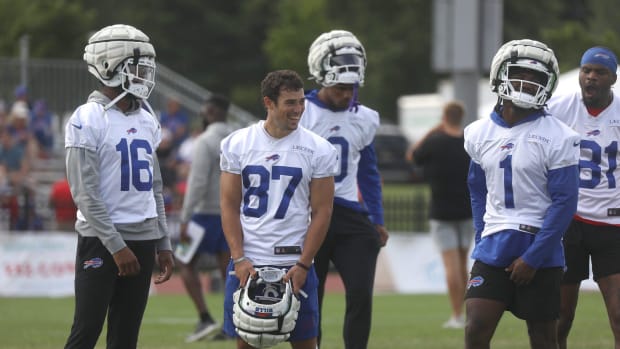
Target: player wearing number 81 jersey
592 242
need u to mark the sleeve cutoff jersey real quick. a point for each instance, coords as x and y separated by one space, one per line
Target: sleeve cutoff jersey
275 174
599 197
125 145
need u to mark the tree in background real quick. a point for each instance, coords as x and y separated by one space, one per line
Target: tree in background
227 46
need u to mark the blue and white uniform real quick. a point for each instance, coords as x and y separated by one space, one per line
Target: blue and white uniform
522 183
276 175
117 199
600 176
352 132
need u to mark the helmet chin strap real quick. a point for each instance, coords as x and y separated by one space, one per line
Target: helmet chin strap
125 93
354 103
115 100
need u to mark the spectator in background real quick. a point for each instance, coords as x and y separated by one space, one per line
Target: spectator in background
201 205
167 155
18 127
3 114
41 128
440 152
21 95
176 120
14 144
62 203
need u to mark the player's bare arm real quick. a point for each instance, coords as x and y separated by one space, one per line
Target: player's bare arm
230 202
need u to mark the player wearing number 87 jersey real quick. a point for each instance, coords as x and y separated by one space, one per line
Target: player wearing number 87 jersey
594 234
523 187
115 182
277 188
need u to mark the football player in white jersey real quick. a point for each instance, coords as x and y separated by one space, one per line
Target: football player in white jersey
523 182
594 112
115 182
277 189
337 61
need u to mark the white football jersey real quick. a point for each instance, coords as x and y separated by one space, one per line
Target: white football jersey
350 132
125 145
516 161
599 176
276 175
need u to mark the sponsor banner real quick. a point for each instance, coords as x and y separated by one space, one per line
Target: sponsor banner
37 264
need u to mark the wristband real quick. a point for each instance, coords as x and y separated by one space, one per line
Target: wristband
239 260
302 266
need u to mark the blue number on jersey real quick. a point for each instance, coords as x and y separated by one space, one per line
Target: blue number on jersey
344 156
595 164
131 165
261 191
506 164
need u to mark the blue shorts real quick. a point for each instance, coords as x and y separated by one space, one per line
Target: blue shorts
307 325
214 240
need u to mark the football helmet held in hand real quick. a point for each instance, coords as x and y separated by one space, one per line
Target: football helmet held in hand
524 54
265 308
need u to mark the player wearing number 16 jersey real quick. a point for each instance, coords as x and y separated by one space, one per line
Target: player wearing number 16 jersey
277 189
594 112
523 186
115 182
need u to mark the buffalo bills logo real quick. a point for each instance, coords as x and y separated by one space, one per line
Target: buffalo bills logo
93 263
475 281
132 130
334 129
593 133
274 157
507 146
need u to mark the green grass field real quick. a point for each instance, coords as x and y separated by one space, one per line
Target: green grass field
399 322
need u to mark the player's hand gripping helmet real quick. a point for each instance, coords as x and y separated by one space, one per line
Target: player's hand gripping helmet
265 309
121 55
337 57
524 54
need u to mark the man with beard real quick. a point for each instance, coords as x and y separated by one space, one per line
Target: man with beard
594 234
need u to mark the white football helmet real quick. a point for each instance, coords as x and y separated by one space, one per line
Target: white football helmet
524 54
265 309
337 57
121 55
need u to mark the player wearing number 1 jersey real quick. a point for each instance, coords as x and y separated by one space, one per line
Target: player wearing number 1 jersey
523 186
115 182
594 112
277 188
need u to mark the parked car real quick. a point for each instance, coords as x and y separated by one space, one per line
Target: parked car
391 146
